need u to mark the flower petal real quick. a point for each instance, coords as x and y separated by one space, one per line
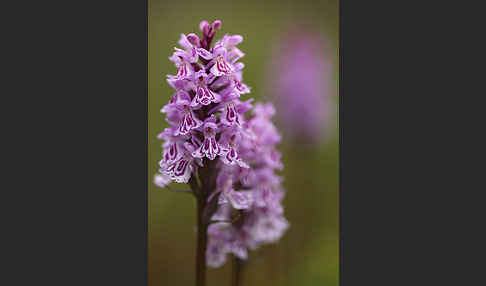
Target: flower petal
240 200
204 54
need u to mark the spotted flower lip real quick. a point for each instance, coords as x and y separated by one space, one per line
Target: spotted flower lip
204 95
230 157
173 151
176 164
180 171
221 66
209 121
209 148
230 142
189 121
230 116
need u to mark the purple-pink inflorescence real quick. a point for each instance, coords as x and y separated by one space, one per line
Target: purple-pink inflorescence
210 123
250 197
301 77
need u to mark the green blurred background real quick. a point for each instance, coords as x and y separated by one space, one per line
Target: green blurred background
308 252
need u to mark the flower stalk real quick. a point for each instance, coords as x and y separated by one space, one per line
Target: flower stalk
202 236
237 271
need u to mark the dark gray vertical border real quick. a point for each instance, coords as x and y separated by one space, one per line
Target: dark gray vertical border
374 248
367 242
402 184
80 154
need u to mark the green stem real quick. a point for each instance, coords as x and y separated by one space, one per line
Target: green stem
205 209
201 244
237 271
